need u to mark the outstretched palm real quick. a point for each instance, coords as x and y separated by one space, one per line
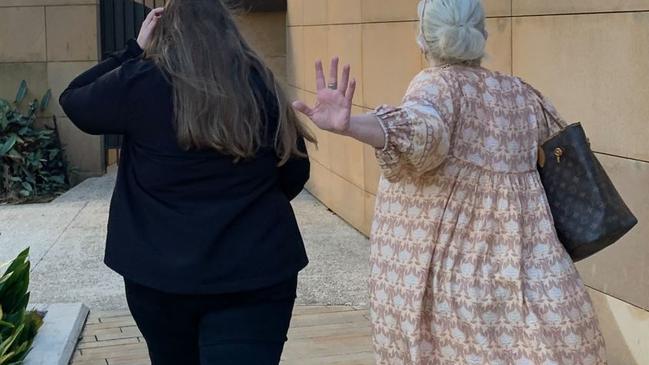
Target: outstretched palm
332 110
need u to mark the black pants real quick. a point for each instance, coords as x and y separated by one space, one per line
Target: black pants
226 329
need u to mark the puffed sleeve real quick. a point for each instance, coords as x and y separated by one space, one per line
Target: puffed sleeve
418 132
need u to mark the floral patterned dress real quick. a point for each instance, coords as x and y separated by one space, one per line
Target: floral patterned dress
466 264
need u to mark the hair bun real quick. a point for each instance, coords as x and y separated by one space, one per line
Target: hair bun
461 42
452 30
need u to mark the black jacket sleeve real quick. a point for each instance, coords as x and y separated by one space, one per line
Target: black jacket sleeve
295 173
96 101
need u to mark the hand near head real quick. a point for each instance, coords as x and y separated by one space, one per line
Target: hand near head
148 26
332 110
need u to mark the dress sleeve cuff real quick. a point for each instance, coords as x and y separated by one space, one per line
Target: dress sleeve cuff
397 135
380 113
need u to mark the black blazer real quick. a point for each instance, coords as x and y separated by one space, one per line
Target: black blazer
181 221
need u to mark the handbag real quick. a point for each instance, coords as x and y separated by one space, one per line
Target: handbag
589 213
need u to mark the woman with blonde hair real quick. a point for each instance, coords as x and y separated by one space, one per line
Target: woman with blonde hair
466 266
200 226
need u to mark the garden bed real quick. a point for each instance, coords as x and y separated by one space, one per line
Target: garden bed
4 200
33 168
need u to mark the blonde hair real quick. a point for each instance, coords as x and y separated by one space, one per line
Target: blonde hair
452 31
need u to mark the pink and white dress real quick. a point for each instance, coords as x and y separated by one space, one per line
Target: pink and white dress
466 267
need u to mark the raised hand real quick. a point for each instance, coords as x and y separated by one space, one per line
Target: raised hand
333 107
149 24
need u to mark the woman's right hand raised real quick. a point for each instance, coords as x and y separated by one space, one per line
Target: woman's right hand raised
333 107
148 26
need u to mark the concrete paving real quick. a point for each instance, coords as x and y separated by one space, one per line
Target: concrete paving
67 243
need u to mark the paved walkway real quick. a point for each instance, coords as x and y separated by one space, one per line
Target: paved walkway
319 335
67 236
67 243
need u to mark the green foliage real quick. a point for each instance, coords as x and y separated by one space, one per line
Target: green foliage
18 327
31 158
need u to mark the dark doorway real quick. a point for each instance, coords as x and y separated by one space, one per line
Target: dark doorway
120 20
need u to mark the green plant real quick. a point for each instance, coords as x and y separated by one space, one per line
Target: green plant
32 162
18 327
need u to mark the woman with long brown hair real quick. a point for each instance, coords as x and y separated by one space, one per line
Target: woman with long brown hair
200 225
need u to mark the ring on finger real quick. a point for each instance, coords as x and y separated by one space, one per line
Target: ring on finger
333 85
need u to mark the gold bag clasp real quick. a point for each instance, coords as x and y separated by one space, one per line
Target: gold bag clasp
558 153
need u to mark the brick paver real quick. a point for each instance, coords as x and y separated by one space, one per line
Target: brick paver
335 335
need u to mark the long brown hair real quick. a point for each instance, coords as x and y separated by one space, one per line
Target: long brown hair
198 44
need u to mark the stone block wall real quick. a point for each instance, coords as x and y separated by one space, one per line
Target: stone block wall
47 43
590 58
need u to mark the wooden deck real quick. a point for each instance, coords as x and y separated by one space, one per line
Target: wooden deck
318 336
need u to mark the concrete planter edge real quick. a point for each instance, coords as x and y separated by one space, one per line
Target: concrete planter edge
57 339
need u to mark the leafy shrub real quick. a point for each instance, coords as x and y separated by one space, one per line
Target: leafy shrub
31 157
18 327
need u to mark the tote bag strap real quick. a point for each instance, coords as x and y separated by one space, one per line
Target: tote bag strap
547 107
